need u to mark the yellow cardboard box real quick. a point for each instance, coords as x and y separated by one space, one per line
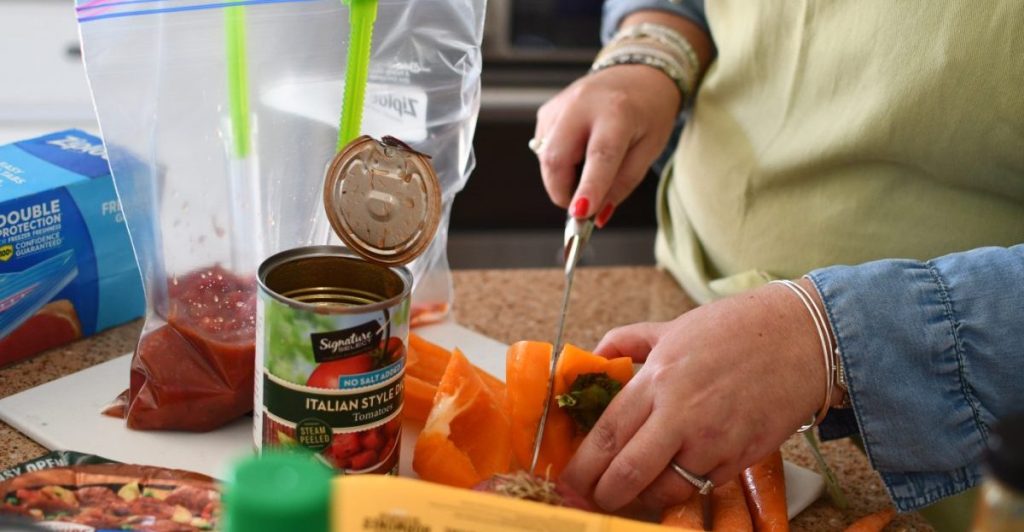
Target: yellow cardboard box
376 503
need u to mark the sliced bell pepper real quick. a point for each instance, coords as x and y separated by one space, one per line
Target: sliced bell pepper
526 375
427 362
527 366
418 398
466 436
575 364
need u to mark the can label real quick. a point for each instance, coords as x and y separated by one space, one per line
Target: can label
346 343
331 379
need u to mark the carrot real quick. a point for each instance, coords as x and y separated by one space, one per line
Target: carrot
728 510
873 522
686 515
418 398
764 486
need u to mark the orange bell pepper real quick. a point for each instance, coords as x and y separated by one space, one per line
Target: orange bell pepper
427 361
526 373
418 398
575 363
466 438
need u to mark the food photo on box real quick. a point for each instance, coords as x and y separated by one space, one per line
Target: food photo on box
620 265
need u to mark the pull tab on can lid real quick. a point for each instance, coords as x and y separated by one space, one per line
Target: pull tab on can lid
383 199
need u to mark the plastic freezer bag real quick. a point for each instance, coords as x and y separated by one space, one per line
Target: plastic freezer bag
219 120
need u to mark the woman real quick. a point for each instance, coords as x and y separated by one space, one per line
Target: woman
821 133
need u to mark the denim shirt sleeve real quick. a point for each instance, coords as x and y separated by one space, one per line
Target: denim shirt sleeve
932 354
616 10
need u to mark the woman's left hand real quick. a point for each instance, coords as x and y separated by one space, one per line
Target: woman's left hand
721 386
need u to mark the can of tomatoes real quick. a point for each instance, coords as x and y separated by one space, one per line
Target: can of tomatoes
332 322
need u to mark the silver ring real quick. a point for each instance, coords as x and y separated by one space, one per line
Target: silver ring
536 144
703 485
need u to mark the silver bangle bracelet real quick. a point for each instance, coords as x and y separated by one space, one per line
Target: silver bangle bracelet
837 358
825 339
657 46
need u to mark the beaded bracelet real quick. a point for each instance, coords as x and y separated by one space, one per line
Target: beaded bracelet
663 34
656 46
639 54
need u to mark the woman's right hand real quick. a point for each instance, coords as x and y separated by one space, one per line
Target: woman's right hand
618 121
721 386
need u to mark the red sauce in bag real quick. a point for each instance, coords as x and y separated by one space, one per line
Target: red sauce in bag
196 372
427 313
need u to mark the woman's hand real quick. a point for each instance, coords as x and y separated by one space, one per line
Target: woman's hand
721 386
620 120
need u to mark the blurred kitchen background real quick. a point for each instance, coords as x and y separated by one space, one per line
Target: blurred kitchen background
502 219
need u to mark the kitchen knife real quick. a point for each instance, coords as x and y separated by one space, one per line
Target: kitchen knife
577 233
707 516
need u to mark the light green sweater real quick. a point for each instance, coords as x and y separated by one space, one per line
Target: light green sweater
841 131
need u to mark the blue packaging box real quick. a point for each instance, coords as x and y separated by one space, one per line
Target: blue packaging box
67 269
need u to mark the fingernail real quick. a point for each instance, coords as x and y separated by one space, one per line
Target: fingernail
580 208
605 214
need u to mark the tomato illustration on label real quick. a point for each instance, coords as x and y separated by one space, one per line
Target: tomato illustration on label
392 352
370 449
327 374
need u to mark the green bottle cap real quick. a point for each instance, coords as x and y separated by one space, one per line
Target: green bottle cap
278 492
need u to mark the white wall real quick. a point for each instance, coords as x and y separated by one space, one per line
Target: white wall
42 81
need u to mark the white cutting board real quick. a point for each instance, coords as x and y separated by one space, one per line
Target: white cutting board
65 414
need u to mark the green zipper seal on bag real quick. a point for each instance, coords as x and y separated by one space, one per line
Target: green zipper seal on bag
362 15
238 79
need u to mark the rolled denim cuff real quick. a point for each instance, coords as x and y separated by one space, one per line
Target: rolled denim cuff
838 424
932 358
616 10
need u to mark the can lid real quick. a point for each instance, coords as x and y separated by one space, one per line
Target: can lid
383 199
277 491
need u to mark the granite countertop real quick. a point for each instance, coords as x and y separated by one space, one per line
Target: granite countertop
511 305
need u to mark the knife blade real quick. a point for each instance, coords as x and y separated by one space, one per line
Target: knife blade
706 514
577 233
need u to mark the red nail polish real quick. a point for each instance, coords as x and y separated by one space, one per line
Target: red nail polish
605 214
580 208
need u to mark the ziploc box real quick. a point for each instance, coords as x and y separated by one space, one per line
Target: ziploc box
67 269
